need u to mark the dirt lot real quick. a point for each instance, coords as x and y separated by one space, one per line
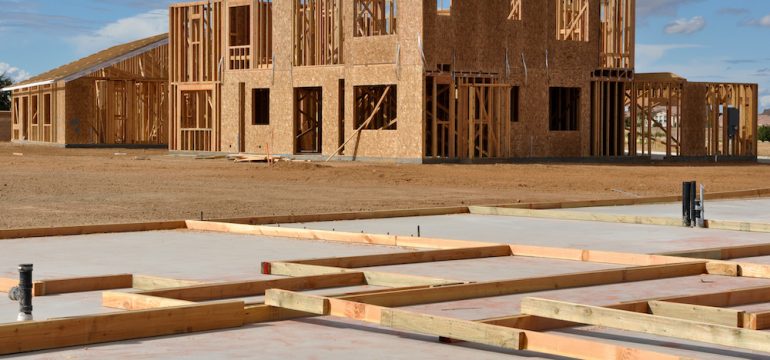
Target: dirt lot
57 187
764 149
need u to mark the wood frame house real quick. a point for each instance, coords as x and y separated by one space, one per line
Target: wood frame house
436 80
116 97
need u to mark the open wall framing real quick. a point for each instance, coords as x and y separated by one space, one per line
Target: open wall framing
475 81
196 45
469 117
116 97
318 30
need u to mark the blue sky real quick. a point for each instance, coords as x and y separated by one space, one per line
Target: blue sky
703 40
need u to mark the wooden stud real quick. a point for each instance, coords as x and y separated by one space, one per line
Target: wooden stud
94 329
361 261
704 314
147 282
236 289
374 278
455 328
650 324
133 301
574 215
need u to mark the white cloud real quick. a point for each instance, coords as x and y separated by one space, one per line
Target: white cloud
645 8
14 73
764 102
648 54
121 31
686 26
765 21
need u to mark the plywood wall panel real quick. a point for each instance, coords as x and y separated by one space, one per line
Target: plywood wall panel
693 120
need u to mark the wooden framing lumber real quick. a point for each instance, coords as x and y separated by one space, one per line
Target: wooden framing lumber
432 243
725 253
758 320
704 314
738 226
650 324
7 283
374 278
73 285
133 301
494 251
90 229
236 289
596 256
83 284
722 299
147 282
398 319
408 297
352 262
576 215
497 336
363 215
742 269
260 313
763 192
307 234
94 329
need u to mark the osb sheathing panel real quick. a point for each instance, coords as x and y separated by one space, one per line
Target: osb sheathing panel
474 38
373 50
5 125
693 120
382 69
80 111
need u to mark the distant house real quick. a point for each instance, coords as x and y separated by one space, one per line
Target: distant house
661 116
118 96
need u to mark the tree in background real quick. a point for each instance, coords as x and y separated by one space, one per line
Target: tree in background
5 96
764 133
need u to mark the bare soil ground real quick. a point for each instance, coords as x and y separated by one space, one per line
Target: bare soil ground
763 149
59 187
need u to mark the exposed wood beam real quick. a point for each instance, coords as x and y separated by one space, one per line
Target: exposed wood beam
133 301
147 282
492 335
352 262
235 289
95 329
649 324
704 314
576 215
397 298
374 278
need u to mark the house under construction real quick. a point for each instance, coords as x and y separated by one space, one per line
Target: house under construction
116 97
437 80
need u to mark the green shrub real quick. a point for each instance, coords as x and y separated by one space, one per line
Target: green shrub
764 133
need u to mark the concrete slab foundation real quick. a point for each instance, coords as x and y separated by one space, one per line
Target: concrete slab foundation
213 256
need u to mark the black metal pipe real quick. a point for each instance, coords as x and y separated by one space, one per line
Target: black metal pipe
685 204
23 292
25 285
693 195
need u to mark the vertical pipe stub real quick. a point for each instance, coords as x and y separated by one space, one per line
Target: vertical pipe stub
23 292
686 189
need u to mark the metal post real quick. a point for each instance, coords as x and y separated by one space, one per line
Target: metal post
701 208
23 292
693 195
686 220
